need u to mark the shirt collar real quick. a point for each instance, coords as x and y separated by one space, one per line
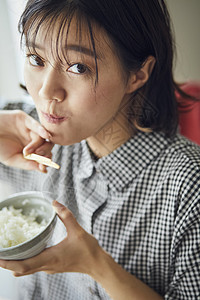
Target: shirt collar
126 162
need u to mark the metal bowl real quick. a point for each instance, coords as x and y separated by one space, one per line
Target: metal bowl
44 210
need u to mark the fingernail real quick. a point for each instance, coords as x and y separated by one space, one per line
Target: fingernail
40 152
42 168
28 151
57 206
43 133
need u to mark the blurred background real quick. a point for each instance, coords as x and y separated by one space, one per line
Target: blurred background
185 16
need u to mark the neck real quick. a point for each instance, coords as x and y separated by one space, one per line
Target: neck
110 137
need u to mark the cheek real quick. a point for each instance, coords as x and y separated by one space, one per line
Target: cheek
95 109
30 81
27 75
110 95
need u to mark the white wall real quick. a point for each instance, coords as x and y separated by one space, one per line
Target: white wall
186 19
11 62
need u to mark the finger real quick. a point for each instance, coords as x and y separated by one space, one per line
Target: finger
66 216
45 149
36 127
43 168
28 266
39 147
17 267
36 142
19 161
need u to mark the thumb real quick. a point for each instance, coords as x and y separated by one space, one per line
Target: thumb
66 217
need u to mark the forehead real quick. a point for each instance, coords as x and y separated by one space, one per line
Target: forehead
60 34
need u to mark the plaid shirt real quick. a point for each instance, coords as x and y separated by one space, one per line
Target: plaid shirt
141 202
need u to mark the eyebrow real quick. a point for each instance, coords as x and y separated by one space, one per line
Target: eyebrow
83 50
76 48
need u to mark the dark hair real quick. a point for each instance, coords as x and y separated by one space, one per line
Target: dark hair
138 29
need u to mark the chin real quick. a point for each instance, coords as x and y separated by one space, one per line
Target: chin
57 140
62 141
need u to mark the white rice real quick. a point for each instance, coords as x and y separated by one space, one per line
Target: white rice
16 228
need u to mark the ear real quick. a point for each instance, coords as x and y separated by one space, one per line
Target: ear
139 78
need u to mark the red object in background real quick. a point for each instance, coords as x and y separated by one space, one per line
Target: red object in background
189 116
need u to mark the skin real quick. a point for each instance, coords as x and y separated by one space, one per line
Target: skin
19 135
69 90
61 90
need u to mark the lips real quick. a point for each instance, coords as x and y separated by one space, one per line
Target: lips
54 119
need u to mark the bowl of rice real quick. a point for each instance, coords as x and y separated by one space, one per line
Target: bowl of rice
27 221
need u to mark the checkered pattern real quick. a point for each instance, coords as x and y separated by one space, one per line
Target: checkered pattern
142 203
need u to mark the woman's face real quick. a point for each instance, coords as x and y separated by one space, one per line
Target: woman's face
69 104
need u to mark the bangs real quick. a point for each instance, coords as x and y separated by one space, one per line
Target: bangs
55 22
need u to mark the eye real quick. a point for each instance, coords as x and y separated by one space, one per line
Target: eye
78 69
35 60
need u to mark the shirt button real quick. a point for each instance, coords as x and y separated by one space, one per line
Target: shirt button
91 291
94 293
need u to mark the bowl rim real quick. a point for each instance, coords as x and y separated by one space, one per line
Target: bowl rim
51 221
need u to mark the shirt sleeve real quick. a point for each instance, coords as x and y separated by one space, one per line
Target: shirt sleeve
185 253
25 106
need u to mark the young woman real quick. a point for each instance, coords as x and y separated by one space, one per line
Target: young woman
100 74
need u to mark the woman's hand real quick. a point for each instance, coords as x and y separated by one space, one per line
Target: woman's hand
21 134
78 252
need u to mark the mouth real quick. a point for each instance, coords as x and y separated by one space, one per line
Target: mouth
54 119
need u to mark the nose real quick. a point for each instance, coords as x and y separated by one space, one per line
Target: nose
52 87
